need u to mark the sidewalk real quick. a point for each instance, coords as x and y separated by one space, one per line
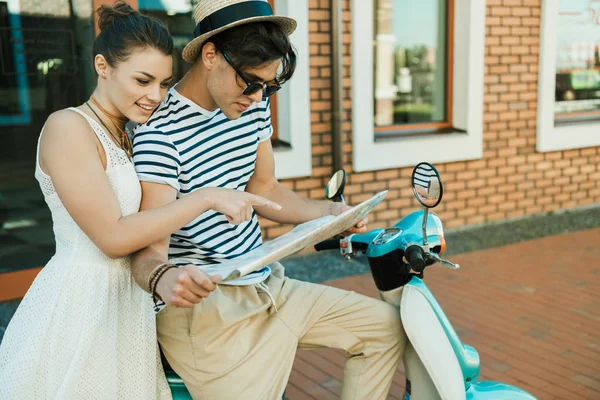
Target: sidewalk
531 309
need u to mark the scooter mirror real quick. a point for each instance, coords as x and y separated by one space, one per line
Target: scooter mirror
335 186
427 185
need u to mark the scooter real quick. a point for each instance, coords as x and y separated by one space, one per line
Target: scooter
436 363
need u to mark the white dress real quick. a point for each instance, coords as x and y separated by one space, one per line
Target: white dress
84 330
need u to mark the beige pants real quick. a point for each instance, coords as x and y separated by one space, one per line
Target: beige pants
236 345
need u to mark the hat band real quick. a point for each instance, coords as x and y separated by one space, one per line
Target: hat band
231 14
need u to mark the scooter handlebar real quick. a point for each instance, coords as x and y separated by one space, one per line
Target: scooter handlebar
415 258
329 244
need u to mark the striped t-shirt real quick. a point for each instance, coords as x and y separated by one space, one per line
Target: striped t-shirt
188 148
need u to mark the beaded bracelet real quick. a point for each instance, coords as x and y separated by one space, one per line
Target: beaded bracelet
157 274
153 274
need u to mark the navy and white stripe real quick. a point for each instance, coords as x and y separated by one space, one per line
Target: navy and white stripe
188 148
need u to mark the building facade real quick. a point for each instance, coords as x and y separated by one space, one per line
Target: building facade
503 96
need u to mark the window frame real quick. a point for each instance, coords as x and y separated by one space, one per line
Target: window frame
273 98
23 116
464 141
555 135
15 282
414 129
293 101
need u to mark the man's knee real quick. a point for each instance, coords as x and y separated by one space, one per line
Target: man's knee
388 317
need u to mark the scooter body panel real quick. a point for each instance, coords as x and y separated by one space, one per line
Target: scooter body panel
366 238
487 390
419 385
410 230
433 348
467 356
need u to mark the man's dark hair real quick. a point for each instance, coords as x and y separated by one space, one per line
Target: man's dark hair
123 30
254 44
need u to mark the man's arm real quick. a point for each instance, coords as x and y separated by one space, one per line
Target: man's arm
181 287
295 209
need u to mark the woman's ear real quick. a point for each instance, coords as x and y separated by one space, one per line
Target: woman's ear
101 66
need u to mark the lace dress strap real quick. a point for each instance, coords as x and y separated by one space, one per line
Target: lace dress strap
109 148
108 145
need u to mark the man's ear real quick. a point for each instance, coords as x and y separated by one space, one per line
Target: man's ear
209 56
101 66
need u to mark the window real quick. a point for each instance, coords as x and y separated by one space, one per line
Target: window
569 75
413 63
45 49
422 82
177 16
577 94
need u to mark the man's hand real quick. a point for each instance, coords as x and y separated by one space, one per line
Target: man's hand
338 208
185 286
236 205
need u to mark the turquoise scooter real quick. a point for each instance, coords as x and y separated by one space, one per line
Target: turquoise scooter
437 364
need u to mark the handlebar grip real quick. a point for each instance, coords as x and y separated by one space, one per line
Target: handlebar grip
415 257
329 244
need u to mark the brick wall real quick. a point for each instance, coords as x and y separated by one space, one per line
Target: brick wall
511 179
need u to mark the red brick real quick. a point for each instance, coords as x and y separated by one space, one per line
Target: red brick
500 30
511 21
520 31
530 21
493 21
521 11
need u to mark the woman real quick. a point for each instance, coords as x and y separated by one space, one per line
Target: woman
85 330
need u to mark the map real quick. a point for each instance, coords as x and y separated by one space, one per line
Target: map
301 237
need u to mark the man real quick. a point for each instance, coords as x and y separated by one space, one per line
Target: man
239 341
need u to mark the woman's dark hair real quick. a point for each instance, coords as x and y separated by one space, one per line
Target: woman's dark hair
256 43
123 29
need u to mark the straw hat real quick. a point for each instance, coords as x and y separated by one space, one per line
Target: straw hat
215 16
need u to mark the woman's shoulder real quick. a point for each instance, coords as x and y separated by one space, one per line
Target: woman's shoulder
67 127
66 116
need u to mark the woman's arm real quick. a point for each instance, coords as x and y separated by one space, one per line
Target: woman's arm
69 154
181 287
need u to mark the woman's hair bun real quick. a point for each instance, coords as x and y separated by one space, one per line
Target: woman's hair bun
123 30
107 15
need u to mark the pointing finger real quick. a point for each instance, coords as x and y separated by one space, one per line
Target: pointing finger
261 201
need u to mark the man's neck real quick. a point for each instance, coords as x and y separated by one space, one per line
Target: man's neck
193 86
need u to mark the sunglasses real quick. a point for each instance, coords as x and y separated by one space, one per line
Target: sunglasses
253 87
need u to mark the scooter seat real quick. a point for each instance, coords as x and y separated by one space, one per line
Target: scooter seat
178 389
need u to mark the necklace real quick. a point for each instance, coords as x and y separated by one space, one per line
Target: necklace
123 141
